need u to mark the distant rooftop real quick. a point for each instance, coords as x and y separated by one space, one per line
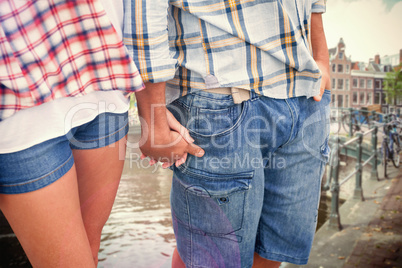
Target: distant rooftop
378 64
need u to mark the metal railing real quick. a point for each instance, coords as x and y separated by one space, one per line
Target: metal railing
333 183
334 187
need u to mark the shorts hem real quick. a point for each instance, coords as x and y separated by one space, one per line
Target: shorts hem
102 141
40 182
280 257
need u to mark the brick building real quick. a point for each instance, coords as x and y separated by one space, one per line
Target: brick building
340 68
357 84
362 93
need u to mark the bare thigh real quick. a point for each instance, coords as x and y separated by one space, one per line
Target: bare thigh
98 171
48 224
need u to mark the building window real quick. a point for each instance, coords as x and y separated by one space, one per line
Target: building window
333 83
333 68
378 84
370 84
376 98
340 100
354 97
346 101
369 98
340 84
333 100
384 98
387 69
362 98
340 68
362 83
354 82
347 84
347 68
340 55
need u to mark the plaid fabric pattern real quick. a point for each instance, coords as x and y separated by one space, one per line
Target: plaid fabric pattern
59 48
257 45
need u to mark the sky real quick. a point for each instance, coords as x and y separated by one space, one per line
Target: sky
368 27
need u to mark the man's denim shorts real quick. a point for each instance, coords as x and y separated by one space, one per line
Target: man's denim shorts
257 187
42 164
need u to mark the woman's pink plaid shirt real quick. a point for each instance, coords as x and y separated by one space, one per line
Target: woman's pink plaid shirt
59 48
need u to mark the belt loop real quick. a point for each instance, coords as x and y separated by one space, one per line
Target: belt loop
253 95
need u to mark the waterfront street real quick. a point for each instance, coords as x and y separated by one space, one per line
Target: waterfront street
372 230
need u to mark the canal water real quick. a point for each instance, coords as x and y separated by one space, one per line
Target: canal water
139 231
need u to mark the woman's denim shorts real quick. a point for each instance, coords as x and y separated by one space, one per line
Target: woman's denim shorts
42 164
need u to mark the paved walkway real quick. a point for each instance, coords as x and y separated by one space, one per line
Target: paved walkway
372 230
381 243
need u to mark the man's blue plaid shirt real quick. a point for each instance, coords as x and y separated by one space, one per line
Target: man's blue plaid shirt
259 45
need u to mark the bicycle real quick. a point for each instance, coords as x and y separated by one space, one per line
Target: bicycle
359 118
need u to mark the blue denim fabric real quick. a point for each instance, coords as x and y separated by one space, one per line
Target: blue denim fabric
42 164
257 187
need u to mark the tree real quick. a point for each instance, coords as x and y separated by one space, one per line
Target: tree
393 85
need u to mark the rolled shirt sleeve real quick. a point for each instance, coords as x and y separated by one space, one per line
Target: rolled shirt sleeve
145 34
318 6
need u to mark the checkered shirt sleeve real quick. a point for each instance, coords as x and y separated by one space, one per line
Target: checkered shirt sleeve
319 6
145 35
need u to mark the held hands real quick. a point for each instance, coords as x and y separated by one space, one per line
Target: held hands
168 145
163 138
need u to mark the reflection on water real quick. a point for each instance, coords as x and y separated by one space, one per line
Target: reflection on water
139 231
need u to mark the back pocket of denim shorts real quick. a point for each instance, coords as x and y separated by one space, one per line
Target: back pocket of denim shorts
215 201
216 121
